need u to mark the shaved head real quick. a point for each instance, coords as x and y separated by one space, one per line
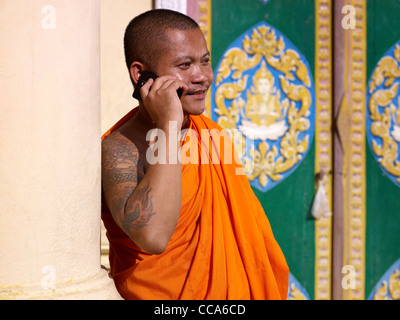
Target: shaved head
146 38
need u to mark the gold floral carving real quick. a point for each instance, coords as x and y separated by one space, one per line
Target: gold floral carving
386 72
391 290
295 293
263 113
263 43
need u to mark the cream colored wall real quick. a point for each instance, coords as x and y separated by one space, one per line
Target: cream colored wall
116 88
50 127
50 151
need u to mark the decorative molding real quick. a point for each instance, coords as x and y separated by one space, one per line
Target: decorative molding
354 166
205 25
383 113
96 286
323 144
205 20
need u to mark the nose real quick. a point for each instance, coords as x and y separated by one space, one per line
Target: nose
200 75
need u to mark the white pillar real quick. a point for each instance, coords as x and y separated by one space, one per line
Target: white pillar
50 151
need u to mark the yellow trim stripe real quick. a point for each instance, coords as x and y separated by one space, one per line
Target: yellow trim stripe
323 144
354 180
205 25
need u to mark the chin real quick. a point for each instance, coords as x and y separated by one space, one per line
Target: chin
194 110
197 112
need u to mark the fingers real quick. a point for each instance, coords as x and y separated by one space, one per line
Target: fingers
173 83
144 90
160 84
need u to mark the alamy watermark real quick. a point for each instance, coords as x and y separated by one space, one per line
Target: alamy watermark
349 278
49 17
349 20
49 279
211 146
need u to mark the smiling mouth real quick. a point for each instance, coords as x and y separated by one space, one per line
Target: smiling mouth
196 92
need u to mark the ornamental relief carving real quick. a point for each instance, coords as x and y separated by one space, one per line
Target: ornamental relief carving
383 113
388 287
263 88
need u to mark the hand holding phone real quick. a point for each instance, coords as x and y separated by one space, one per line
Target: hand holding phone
146 75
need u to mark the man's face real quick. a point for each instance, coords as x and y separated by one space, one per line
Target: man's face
188 58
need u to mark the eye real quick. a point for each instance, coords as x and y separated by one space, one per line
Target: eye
185 65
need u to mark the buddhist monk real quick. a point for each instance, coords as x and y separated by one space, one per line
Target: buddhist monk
178 229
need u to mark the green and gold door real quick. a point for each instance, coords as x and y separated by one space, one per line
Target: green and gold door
272 91
366 150
309 91
382 271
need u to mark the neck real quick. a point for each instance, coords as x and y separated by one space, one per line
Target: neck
144 118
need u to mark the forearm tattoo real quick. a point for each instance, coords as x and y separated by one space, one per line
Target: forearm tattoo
130 207
138 210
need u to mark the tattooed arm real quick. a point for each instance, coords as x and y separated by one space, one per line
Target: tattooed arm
146 208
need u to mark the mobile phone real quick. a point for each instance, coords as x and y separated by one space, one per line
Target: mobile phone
146 75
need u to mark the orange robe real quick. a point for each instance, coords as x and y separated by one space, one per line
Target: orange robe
222 248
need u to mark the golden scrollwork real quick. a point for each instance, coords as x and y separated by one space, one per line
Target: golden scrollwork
387 71
259 112
389 290
295 293
263 43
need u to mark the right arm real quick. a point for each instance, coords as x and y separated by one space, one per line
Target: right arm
146 209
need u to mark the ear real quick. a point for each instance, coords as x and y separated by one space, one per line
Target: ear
135 71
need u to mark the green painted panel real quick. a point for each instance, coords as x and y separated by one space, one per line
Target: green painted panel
294 18
287 205
383 196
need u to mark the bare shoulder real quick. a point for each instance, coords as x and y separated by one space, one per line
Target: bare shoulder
119 151
120 172
120 159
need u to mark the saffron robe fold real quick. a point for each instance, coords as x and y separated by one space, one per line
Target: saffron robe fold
223 246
